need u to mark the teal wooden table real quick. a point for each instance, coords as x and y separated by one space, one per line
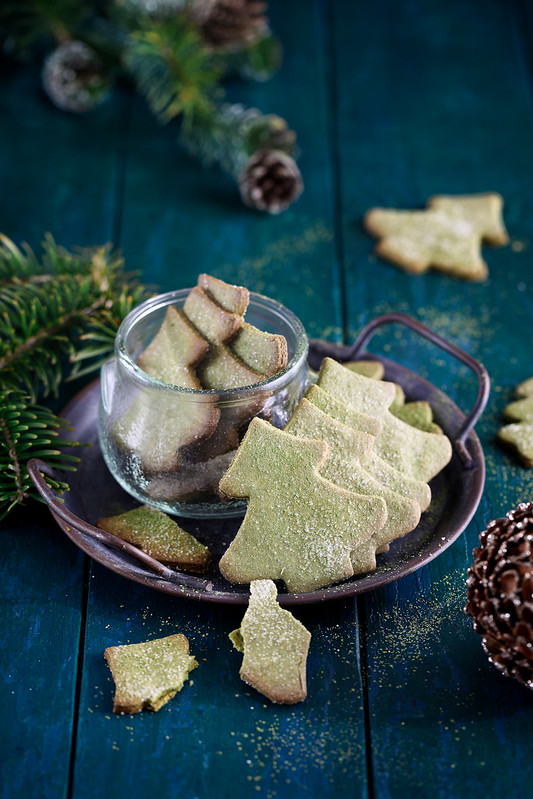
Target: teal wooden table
392 102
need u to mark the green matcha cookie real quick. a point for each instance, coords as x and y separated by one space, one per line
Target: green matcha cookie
158 438
275 647
174 351
349 448
520 411
149 674
193 481
220 369
298 527
232 298
525 389
447 235
418 414
417 490
413 452
265 353
519 437
373 369
159 536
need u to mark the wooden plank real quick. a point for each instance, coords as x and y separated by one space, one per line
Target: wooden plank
218 734
40 615
217 731
57 174
426 106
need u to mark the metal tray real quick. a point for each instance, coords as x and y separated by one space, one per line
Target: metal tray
456 491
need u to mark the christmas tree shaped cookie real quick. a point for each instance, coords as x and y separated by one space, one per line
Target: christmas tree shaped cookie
417 490
343 466
298 527
159 536
521 410
220 369
525 389
415 453
157 439
149 674
447 235
174 351
274 645
265 353
518 436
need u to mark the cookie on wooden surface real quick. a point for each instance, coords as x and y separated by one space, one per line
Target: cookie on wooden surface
149 674
274 645
518 436
447 235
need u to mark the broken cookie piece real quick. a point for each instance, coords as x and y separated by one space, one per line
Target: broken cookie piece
149 674
275 647
159 536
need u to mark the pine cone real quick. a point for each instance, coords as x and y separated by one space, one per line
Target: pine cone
270 181
74 78
500 592
231 24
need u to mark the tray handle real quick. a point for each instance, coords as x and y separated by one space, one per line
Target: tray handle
355 350
36 469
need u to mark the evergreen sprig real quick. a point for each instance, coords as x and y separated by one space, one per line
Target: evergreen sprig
50 310
58 319
28 430
168 61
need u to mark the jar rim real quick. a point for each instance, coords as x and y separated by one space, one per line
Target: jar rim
273 383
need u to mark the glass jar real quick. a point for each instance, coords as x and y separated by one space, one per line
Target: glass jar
169 446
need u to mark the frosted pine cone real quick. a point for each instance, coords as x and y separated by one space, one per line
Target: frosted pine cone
500 592
74 78
231 24
270 181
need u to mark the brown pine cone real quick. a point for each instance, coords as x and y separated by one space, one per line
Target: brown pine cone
233 23
500 592
270 181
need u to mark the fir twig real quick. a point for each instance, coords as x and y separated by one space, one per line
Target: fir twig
58 319
49 311
169 64
28 430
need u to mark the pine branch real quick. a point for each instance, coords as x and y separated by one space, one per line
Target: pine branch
229 135
28 431
47 310
58 319
171 67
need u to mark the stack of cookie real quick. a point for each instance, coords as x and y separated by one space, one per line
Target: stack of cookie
326 494
184 448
